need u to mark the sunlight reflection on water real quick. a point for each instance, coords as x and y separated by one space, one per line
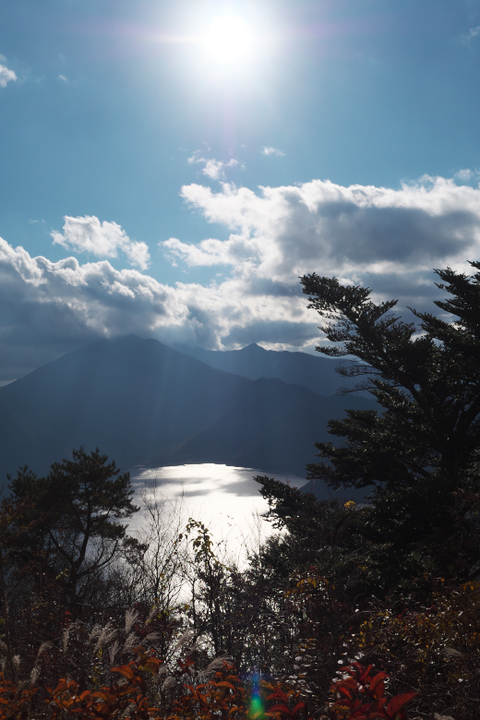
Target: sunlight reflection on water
226 499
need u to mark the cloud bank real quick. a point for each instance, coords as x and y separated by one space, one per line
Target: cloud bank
384 238
286 231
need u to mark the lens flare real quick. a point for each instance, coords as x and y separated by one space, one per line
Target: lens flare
228 39
256 703
256 707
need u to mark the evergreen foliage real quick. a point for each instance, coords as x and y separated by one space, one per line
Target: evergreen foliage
418 455
72 522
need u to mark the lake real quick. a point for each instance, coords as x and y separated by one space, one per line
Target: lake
226 499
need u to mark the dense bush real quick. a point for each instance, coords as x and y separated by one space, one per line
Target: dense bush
435 647
283 624
220 695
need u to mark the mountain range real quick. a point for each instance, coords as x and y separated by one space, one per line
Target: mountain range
143 403
315 372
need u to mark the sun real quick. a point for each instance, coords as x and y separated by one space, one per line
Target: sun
228 39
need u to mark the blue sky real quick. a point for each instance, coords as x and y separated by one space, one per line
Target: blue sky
171 168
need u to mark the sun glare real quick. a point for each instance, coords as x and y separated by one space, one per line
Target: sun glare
228 40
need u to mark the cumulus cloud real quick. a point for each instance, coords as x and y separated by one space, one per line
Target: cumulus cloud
388 239
272 333
211 251
286 231
49 308
88 234
6 75
272 151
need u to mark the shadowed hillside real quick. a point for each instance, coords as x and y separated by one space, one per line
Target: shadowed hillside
313 371
143 403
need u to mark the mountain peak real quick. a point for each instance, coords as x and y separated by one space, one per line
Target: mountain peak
252 348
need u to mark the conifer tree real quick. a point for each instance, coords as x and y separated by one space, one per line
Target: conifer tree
73 522
417 457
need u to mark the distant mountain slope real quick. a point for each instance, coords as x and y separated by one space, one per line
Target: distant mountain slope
273 425
315 372
141 402
134 398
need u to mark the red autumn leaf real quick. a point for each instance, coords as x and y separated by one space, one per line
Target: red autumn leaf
282 709
99 694
361 672
124 670
224 683
346 692
298 707
377 685
399 701
278 695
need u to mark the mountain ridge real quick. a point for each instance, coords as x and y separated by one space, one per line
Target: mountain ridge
144 403
313 371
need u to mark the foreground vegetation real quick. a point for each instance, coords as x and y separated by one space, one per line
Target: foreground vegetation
367 610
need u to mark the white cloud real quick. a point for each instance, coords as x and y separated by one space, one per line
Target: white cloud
6 75
470 35
388 239
287 231
215 169
88 234
196 158
62 77
272 151
210 252
49 308
466 175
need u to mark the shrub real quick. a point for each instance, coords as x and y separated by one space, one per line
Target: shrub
438 647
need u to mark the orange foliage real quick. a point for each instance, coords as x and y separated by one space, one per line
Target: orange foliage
109 702
13 700
359 696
